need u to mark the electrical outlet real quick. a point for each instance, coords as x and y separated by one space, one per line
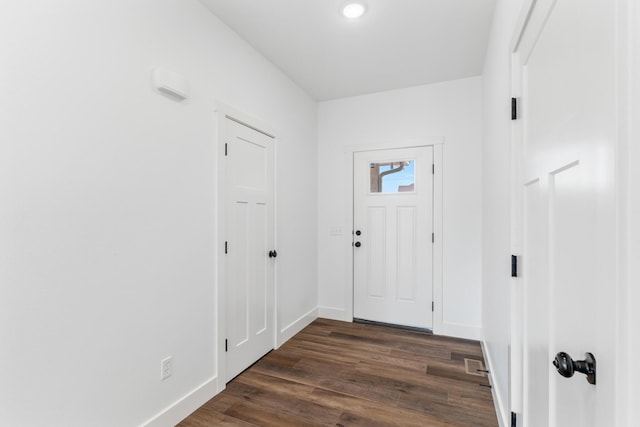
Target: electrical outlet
166 368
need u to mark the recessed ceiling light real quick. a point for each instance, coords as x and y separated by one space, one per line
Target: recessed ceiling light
354 10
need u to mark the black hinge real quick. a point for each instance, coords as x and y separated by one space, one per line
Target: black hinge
433 237
433 306
226 345
433 169
514 419
514 266
226 247
514 108
225 148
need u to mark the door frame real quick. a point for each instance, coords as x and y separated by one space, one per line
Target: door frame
532 18
515 394
221 113
629 215
438 144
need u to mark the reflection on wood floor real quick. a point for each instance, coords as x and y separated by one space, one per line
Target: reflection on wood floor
350 374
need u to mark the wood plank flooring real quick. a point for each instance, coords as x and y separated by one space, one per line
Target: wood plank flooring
350 374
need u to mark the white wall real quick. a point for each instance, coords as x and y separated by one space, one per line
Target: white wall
496 203
107 215
451 110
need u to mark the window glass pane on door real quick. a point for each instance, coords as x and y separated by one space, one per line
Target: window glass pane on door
392 177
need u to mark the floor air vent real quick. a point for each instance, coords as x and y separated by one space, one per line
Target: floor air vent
474 367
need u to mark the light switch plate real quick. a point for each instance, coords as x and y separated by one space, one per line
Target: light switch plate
336 231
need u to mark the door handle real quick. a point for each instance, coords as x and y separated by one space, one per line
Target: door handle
357 244
566 366
273 254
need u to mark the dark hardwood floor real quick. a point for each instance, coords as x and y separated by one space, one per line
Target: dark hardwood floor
349 374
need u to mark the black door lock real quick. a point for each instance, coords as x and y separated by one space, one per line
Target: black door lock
566 366
273 254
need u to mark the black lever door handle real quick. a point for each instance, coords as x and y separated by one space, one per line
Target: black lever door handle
566 366
273 254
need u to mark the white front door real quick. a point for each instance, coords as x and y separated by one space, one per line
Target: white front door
569 193
393 223
249 288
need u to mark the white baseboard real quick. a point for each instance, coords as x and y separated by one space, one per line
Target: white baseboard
286 333
181 409
501 410
460 331
332 313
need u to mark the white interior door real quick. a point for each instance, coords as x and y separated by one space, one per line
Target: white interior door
393 223
250 238
569 139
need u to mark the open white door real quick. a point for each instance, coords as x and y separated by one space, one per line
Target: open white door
249 246
393 223
566 51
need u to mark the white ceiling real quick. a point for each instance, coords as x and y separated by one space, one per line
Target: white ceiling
396 44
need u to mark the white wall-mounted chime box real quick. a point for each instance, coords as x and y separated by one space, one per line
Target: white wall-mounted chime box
170 82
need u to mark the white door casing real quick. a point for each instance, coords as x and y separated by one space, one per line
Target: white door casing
246 286
393 255
565 52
